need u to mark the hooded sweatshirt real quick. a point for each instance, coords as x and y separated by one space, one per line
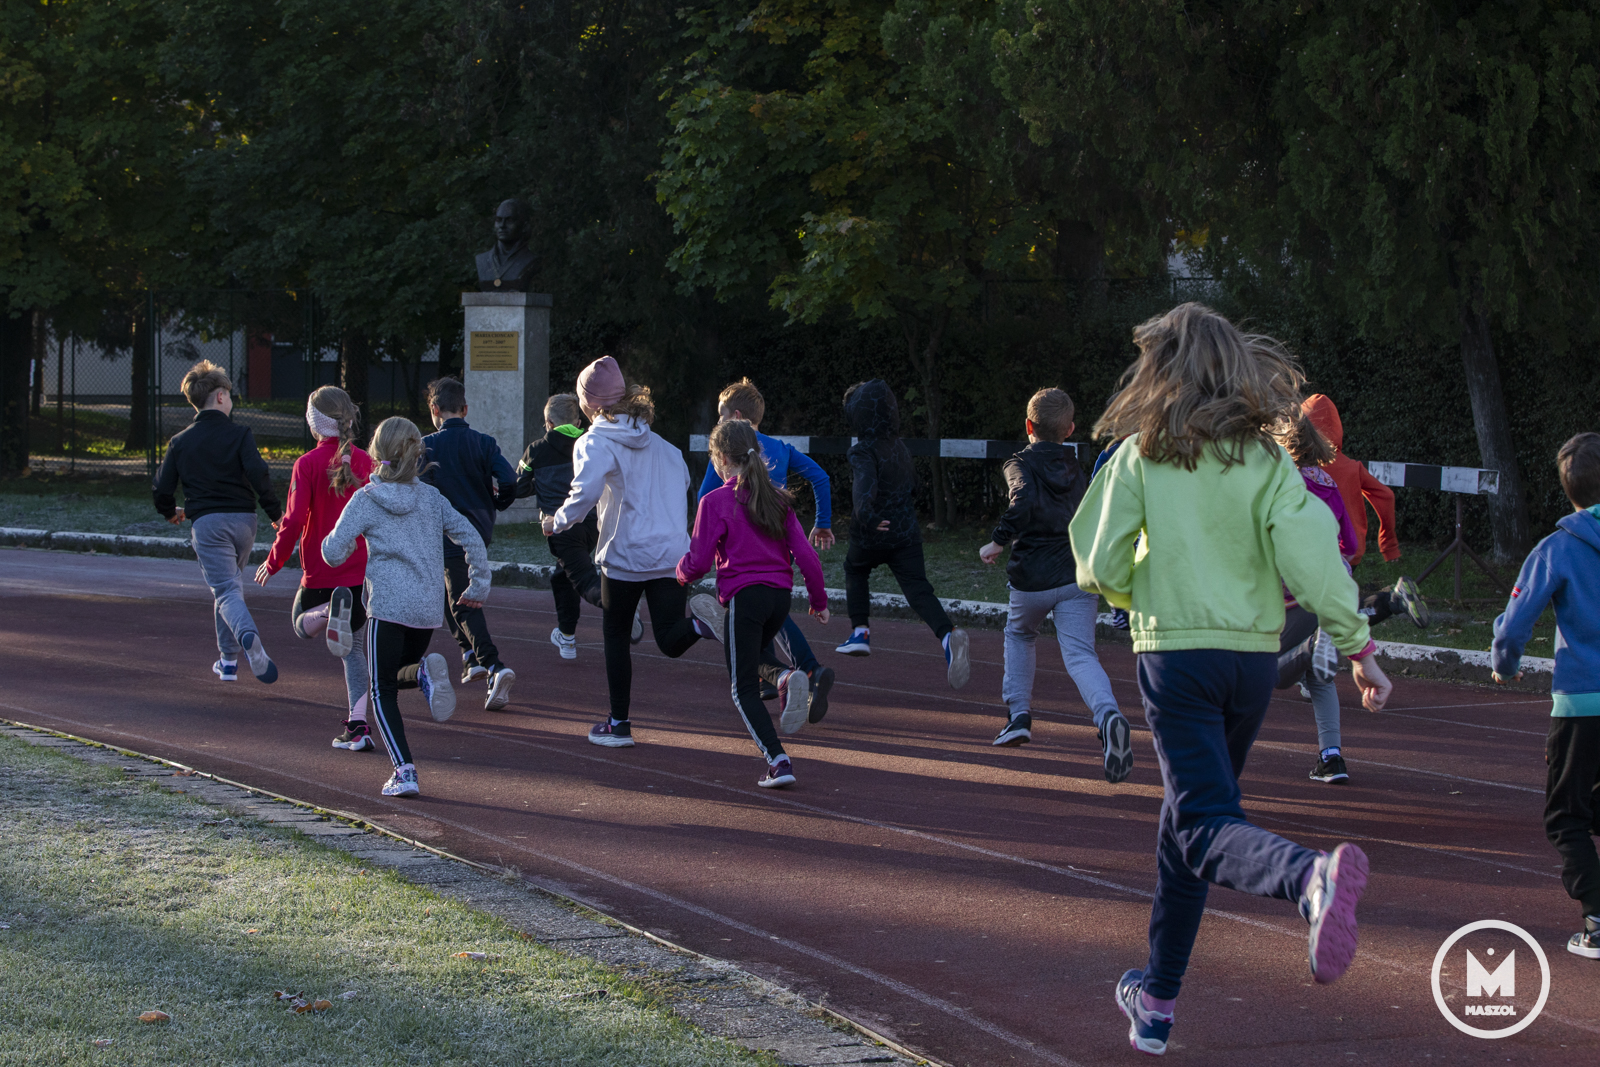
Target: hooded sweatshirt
1219 545
640 484
405 524
1045 484
884 483
545 472
1356 486
1564 568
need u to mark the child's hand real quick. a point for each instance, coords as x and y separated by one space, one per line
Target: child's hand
990 552
463 602
821 538
883 527
1374 684
177 518
1502 680
262 574
547 526
822 616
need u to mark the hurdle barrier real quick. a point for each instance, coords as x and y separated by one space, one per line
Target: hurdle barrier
1463 482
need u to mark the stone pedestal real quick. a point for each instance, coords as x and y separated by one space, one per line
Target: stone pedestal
507 374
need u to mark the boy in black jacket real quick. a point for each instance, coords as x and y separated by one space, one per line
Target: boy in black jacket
223 476
1046 485
477 480
883 527
545 473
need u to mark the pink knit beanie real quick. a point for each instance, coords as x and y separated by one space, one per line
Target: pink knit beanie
600 384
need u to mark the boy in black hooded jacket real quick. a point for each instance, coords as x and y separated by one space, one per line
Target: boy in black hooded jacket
545 473
883 527
1045 484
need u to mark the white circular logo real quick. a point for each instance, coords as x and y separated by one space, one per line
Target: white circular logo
1499 982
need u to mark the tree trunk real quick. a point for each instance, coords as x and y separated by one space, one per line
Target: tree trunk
355 365
39 353
15 352
1508 511
139 429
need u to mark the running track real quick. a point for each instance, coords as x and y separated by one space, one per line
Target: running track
974 903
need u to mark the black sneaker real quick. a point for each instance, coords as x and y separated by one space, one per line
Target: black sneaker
821 682
1586 942
1331 769
356 737
1019 731
1116 746
768 690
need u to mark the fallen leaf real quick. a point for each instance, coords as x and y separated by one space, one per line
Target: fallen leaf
349 994
252 931
362 871
301 1007
473 956
322 1005
183 774
102 1042
279 994
1454 631
155 1017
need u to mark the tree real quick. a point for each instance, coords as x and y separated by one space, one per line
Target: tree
809 159
91 138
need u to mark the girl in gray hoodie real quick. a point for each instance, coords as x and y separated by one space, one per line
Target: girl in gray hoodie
405 522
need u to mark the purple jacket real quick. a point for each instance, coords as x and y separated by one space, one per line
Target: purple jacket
724 535
1325 489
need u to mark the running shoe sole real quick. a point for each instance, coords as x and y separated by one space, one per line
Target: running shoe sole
261 664
216 669
393 788
854 648
819 694
960 670
340 639
1578 946
473 673
1117 747
1405 590
611 740
704 607
774 781
360 744
1333 932
441 695
568 649
1150 1046
795 703
1013 736
1336 778
500 690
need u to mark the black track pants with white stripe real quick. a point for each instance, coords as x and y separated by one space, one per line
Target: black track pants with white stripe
394 651
755 615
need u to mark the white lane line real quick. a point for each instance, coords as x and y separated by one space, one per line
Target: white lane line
939 1004
1280 747
1346 835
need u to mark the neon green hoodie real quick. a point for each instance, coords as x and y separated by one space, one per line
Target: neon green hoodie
1207 574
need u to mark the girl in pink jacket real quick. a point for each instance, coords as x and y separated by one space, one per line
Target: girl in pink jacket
748 529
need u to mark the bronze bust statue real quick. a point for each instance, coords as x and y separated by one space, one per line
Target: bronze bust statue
510 264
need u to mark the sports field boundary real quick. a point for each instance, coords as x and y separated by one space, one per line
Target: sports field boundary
804 1032
1397 657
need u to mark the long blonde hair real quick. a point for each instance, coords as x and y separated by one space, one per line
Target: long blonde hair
736 444
397 449
1305 443
1199 382
337 405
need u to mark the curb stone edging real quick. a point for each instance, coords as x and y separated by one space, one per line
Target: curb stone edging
1396 657
714 995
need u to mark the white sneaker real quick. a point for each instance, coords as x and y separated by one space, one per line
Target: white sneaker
704 607
261 664
403 782
793 691
568 646
433 678
638 629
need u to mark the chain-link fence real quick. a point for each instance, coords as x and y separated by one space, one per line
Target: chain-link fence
109 404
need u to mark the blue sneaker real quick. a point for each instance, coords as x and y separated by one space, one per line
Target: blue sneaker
261 664
226 670
1149 1029
857 644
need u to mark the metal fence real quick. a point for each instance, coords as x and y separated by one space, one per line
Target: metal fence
109 404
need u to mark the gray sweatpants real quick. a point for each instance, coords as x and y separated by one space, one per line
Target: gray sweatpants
1325 707
1075 613
222 542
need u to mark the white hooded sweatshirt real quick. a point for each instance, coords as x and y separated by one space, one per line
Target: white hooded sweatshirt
640 484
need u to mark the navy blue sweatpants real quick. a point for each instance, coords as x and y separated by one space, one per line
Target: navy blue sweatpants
1204 708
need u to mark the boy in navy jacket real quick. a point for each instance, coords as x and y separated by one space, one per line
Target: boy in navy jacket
1565 568
478 481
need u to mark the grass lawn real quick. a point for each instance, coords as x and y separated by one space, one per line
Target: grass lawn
123 506
118 898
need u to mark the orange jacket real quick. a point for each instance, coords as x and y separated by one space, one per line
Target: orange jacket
1355 483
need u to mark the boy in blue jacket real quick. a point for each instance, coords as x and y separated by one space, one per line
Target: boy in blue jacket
471 473
742 400
1565 568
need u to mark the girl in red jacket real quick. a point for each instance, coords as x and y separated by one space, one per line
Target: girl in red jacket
329 598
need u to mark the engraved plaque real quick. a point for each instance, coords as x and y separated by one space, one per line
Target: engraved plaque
492 349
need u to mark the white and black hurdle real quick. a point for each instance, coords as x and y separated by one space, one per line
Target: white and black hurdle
1462 481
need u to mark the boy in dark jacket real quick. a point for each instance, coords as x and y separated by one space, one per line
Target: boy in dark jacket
1046 484
223 476
476 479
1565 568
545 473
883 527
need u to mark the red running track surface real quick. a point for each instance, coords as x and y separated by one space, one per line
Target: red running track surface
974 903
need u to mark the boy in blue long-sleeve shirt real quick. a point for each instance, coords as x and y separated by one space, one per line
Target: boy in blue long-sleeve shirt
1565 568
742 400
478 481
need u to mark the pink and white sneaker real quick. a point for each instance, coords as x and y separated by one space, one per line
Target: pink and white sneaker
1328 902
